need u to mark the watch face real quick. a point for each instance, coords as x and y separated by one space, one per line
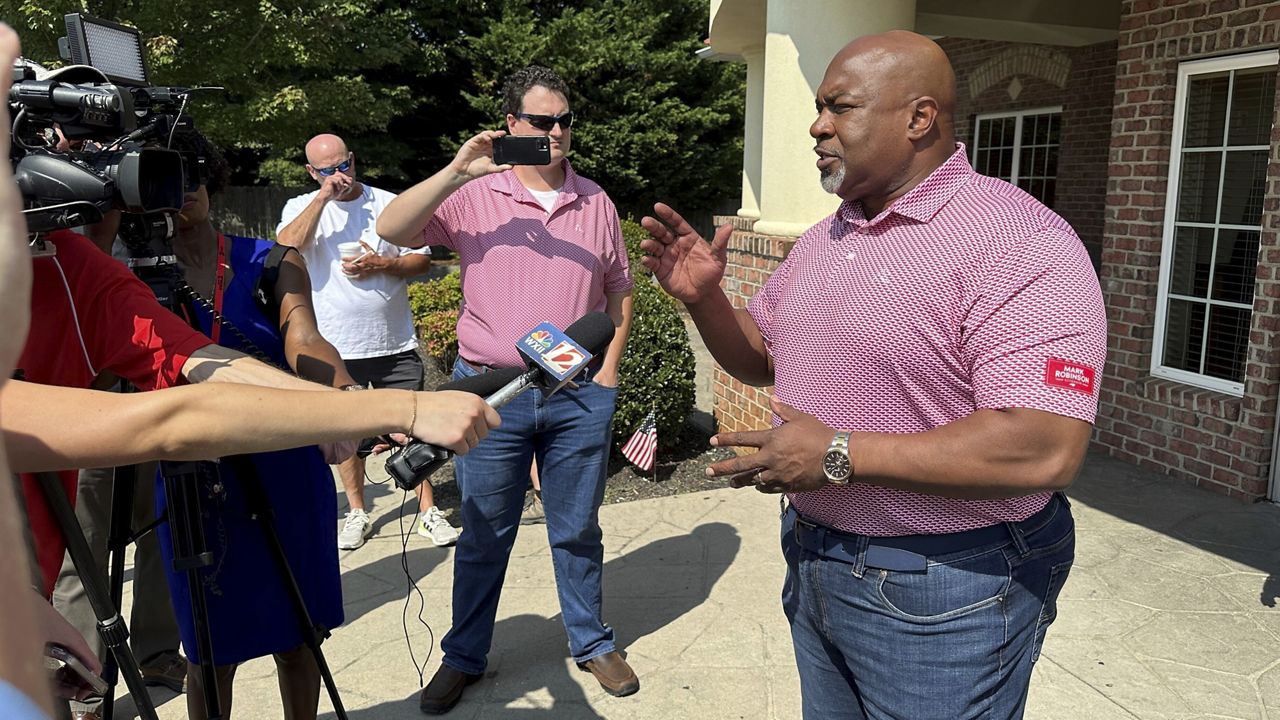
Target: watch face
836 466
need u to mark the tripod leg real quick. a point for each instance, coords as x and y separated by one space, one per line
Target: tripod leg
115 634
260 508
119 536
186 528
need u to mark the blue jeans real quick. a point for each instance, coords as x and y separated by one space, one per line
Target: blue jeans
954 641
570 435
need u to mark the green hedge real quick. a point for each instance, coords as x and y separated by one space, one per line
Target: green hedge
435 305
657 371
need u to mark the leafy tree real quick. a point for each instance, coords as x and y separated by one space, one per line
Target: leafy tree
290 69
655 121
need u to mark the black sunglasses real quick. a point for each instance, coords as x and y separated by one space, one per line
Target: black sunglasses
546 122
343 166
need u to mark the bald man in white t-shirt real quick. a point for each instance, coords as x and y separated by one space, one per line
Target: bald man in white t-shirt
359 288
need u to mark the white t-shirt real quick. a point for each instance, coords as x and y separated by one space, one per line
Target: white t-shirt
362 318
545 198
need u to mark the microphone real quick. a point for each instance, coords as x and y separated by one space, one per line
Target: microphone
552 360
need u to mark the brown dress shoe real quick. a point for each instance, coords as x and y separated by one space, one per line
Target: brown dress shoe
614 674
445 690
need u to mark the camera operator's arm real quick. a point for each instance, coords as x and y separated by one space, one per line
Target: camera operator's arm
302 229
214 363
47 427
308 353
402 221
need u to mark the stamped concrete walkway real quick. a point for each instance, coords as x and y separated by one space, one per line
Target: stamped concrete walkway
1170 613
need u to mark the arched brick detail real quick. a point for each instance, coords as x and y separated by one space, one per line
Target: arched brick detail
1035 61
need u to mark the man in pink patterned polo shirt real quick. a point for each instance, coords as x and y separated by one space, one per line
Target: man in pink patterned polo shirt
935 347
537 243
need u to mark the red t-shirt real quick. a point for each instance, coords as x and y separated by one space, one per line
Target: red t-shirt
90 314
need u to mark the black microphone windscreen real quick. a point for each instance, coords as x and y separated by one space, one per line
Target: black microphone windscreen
484 384
593 331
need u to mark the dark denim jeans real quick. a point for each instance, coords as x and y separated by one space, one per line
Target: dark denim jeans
953 642
570 434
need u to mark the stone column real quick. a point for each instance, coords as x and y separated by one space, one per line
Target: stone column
800 39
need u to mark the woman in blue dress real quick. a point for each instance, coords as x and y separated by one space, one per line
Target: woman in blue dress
249 610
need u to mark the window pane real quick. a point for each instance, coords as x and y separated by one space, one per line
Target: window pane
1055 126
1192 251
1006 165
1008 127
1050 190
1228 341
1198 191
1184 332
1253 102
1243 185
1206 110
1236 269
1026 162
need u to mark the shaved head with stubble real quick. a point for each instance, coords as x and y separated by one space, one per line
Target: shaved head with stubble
885 117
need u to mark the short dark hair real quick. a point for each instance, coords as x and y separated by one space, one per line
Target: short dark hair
219 170
520 82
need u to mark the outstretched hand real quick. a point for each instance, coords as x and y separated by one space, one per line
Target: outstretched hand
475 157
686 266
789 457
453 419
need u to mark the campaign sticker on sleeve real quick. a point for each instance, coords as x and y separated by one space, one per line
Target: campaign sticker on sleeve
1068 375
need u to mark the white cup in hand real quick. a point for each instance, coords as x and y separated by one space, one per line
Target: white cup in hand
349 252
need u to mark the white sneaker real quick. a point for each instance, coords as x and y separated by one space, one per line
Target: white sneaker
357 528
433 526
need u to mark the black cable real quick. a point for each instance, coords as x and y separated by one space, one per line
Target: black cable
411 588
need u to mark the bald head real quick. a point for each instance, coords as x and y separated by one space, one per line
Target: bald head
885 117
903 66
323 149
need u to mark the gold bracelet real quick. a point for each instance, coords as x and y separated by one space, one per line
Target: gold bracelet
413 419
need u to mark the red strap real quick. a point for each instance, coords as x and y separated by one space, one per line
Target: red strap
219 277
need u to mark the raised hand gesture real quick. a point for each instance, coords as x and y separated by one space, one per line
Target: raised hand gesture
475 157
687 267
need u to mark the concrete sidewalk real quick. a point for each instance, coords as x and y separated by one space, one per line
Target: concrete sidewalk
1169 614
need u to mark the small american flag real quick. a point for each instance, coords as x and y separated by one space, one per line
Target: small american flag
643 446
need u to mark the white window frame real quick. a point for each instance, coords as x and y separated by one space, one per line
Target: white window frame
1017 135
1185 71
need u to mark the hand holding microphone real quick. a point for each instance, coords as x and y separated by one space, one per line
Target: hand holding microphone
553 360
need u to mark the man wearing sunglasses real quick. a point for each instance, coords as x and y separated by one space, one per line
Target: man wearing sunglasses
537 243
360 291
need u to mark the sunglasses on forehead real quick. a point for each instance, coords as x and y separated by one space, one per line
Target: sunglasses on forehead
343 166
546 122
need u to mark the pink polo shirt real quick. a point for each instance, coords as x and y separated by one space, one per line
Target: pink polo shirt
964 294
522 266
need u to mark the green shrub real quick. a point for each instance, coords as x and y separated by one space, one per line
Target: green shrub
435 295
435 305
658 369
438 333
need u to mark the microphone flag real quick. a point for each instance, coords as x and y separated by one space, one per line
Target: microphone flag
642 448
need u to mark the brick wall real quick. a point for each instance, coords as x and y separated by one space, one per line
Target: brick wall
1212 439
994 77
752 258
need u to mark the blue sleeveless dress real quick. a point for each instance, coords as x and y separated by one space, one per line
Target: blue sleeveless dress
249 610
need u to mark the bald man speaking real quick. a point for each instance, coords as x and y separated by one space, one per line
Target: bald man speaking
359 288
936 348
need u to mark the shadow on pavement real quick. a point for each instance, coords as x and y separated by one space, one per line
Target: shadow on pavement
1244 533
659 583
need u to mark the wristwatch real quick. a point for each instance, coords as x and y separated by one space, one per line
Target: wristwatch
836 464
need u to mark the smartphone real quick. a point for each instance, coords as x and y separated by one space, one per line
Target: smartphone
71 674
522 150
